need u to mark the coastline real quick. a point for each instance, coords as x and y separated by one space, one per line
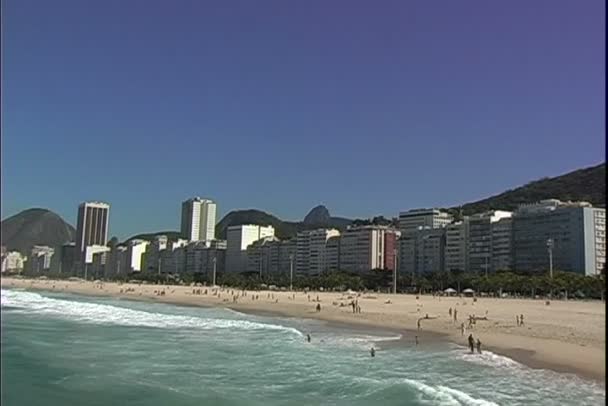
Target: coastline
565 337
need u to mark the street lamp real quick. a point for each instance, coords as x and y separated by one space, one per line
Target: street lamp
214 269
550 249
291 272
395 273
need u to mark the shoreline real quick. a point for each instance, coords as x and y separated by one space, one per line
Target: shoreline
545 344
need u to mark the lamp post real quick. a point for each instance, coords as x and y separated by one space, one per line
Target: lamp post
395 273
550 249
214 269
291 272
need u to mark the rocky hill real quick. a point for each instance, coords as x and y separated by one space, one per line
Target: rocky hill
35 227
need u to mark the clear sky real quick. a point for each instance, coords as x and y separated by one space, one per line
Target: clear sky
367 107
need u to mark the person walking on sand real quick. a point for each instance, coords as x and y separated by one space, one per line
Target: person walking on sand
471 343
418 324
462 329
450 312
455 315
521 319
478 346
318 307
517 320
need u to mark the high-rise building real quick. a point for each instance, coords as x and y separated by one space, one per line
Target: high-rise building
456 246
489 245
135 253
412 220
332 253
91 229
311 251
367 247
238 239
198 219
577 231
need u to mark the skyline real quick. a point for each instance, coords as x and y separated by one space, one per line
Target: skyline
218 104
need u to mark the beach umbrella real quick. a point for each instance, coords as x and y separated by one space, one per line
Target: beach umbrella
450 290
469 290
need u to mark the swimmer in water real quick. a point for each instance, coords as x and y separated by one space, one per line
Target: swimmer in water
372 352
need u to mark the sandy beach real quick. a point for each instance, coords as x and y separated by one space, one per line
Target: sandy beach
565 336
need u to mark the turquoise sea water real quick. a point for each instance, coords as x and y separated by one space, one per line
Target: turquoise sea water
60 349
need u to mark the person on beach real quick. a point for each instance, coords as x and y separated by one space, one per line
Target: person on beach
318 307
418 324
521 319
517 320
462 329
450 312
308 337
372 352
353 306
416 338
455 315
478 346
471 343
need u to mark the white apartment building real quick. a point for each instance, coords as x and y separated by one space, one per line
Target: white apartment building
412 220
332 254
40 258
135 253
198 219
485 233
311 251
456 246
13 262
238 239
368 247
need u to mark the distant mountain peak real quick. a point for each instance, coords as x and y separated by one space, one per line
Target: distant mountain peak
318 215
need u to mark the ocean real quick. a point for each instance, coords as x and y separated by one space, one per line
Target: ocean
63 349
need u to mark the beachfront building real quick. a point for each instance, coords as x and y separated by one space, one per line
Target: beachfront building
422 251
135 252
67 256
173 257
577 231
368 247
152 257
456 246
332 253
411 221
116 262
91 229
198 219
311 251
486 231
40 258
271 256
12 262
238 239
202 257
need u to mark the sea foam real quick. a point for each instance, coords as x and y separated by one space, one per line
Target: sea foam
108 314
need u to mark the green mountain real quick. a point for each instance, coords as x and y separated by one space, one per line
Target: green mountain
35 227
316 218
588 184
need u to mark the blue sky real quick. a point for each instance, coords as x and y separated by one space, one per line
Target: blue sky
367 107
